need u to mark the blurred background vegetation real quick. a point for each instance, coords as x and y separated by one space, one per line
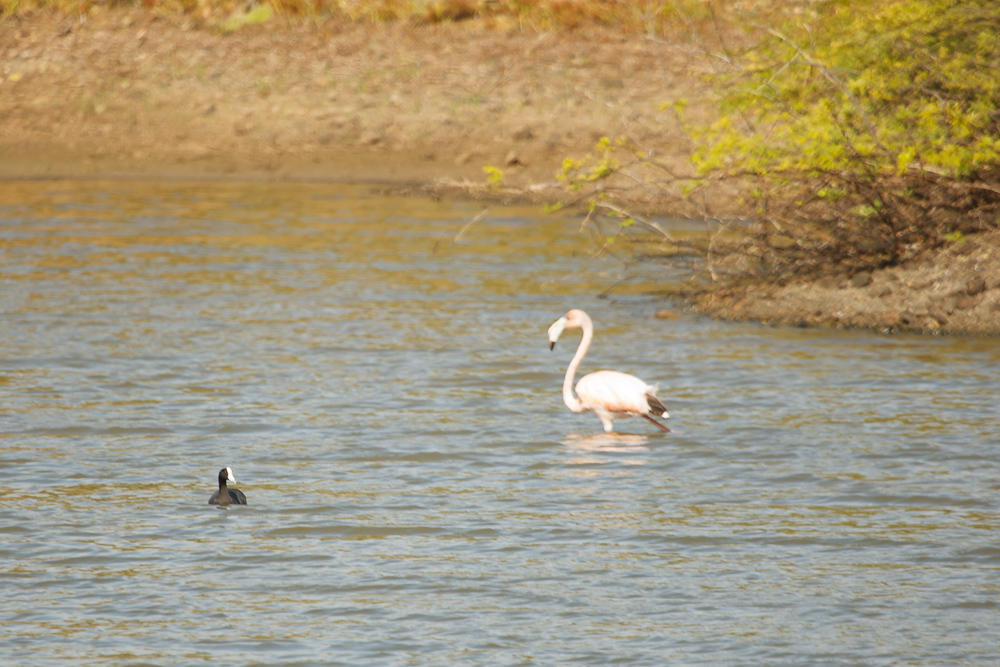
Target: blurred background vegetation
637 16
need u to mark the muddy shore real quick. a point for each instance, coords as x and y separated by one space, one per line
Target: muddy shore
125 93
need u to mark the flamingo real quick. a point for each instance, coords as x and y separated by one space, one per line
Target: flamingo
608 394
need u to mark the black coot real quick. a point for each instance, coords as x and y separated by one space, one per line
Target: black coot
225 495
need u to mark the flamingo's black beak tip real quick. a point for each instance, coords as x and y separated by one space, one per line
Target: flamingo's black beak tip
552 345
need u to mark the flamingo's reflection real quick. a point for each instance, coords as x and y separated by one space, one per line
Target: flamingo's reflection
606 448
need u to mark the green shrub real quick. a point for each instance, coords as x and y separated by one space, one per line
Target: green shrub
868 132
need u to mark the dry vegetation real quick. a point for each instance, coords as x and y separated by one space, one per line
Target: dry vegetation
634 16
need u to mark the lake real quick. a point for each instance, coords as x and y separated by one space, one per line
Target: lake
376 371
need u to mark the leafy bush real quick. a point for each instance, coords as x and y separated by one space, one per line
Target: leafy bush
866 133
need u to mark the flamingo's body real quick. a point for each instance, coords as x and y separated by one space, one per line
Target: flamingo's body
608 394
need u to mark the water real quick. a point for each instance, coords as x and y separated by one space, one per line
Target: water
417 491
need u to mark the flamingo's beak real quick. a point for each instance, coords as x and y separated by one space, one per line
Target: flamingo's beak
555 331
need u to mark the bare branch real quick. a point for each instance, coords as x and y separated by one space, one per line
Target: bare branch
479 216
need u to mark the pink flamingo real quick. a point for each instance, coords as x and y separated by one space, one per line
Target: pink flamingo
608 394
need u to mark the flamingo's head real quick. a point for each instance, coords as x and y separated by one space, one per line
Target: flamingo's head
573 319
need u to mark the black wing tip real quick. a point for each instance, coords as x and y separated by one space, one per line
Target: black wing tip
656 406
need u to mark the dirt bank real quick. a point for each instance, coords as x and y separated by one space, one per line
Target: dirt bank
126 93
956 290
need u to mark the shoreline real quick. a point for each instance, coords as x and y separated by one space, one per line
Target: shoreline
127 94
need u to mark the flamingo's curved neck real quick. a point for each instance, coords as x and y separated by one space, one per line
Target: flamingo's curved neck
571 401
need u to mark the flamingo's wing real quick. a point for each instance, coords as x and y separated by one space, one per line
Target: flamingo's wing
615 392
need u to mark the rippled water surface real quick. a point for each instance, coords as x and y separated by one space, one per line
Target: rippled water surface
418 493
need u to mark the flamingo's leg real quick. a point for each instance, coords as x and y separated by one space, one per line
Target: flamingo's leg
607 419
658 424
